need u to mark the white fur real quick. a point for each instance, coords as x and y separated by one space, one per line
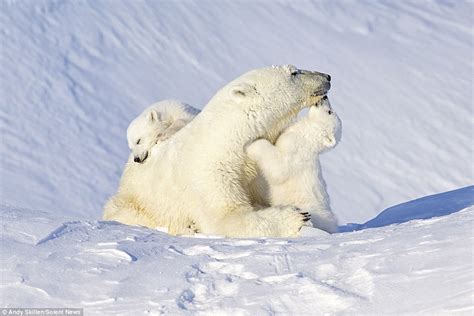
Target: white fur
156 124
289 172
201 175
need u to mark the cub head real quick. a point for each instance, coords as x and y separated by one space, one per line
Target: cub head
326 124
143 133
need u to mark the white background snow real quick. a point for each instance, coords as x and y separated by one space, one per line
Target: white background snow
74 73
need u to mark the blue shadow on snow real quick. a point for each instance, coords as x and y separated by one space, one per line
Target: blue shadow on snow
423 208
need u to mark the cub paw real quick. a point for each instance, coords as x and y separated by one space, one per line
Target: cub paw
166 134
256 150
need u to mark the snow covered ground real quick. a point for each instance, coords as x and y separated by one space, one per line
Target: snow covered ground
422 266
74 73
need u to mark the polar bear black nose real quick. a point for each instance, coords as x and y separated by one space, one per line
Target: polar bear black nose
328 77
136 159
325 97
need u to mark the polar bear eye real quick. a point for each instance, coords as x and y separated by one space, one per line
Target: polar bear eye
138 141
329 112
294 73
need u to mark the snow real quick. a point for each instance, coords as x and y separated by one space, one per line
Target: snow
423 208
422 266
75 73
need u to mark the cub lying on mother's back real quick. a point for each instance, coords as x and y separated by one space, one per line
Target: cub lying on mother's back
155 124
289 172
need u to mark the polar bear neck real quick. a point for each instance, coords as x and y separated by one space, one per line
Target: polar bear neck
275 131
240 125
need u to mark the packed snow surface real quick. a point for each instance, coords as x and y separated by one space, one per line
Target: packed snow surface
75 73
422 266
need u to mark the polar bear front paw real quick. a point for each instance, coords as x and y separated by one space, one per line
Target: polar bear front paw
306 215
289 220
296 219
192 228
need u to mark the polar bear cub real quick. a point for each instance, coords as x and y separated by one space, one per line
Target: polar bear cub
290 172
155 124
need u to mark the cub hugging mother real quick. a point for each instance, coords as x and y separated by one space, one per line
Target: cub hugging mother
240 168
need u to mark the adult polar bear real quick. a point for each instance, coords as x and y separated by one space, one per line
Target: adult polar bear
201 176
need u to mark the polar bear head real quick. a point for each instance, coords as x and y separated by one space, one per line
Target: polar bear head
324 125
268 99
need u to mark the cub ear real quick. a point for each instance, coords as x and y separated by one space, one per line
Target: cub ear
153 116
242 90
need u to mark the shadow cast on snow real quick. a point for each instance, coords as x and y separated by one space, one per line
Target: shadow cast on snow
423 208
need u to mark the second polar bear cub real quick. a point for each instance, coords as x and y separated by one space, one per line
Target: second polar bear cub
155 124
290 172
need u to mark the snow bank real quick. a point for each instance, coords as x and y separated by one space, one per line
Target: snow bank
422 266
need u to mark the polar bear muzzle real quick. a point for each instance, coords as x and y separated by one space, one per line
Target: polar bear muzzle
141 159
318 84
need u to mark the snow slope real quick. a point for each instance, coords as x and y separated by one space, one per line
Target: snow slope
74 73
423 266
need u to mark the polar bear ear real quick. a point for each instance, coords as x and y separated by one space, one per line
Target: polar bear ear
153 116
242 90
